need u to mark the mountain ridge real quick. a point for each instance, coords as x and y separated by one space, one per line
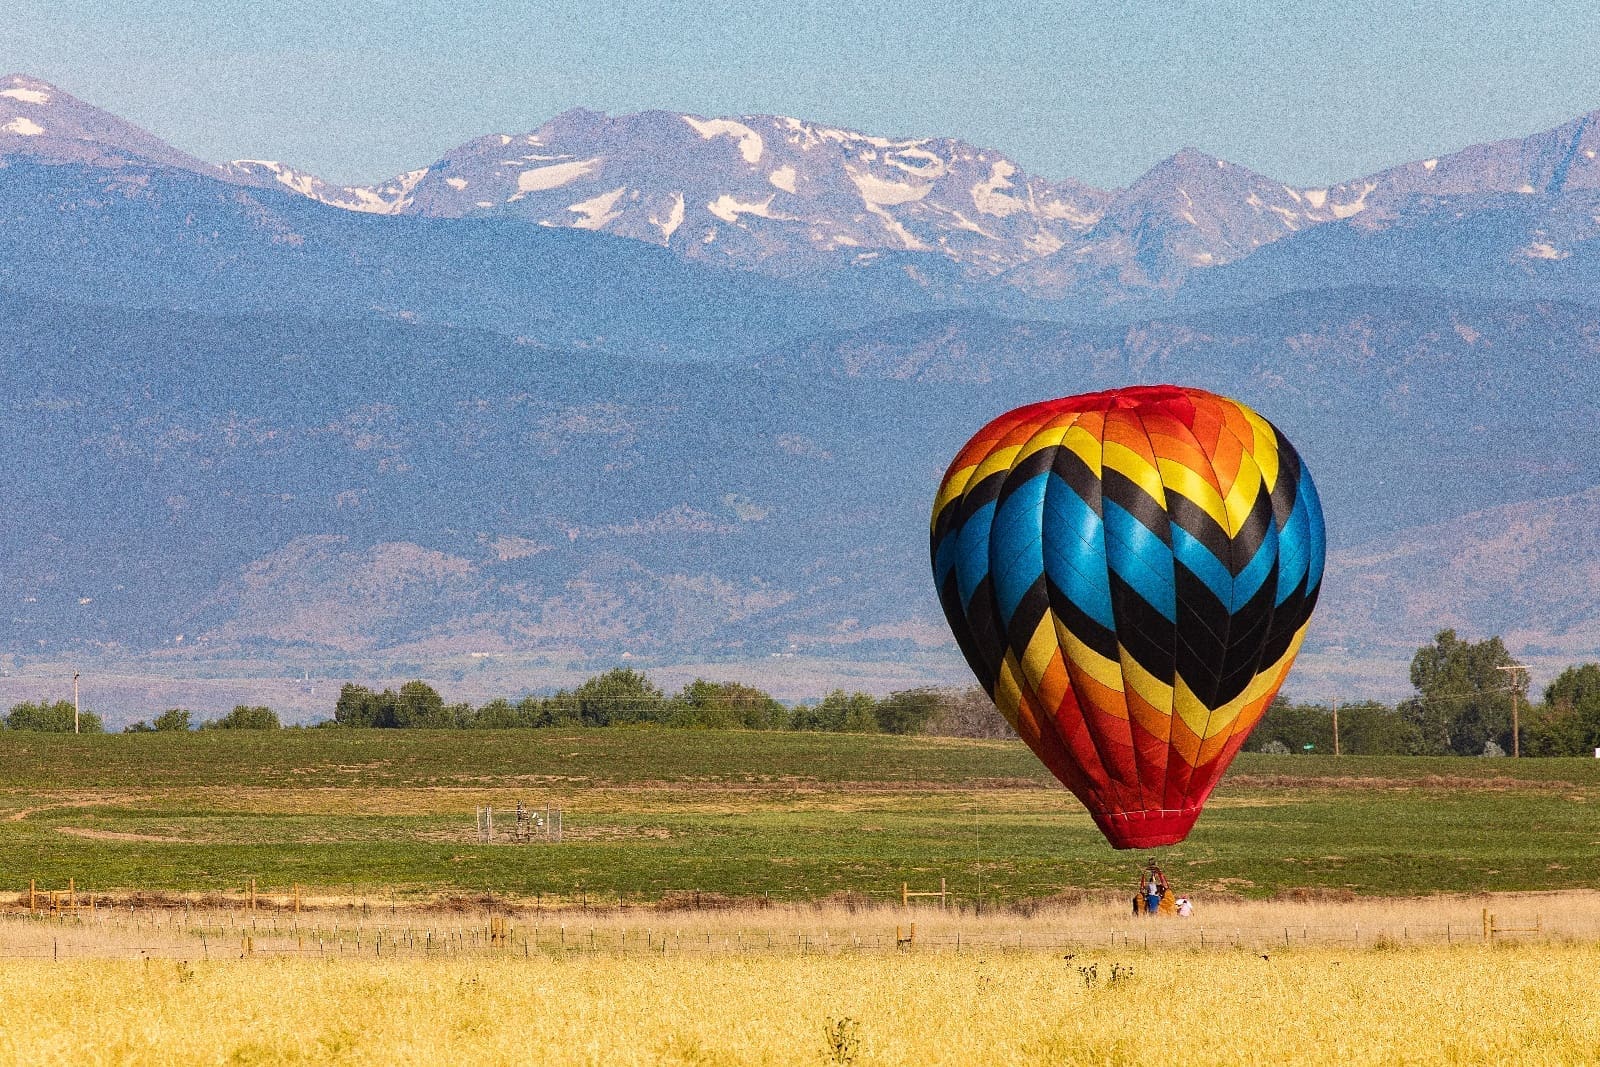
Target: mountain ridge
785 196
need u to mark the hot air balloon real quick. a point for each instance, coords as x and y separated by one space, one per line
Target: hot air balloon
1130 575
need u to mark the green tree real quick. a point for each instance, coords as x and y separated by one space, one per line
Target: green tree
560 709
245 717
358 706
1298 727
173 719
1463 697
419 706
908 711
51 718
498 714
840 712
1567 723
1370 728
619 696
725 705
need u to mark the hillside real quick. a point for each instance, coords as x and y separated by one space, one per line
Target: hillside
419 425
1526 570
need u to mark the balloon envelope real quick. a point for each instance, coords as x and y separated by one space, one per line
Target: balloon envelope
1130 574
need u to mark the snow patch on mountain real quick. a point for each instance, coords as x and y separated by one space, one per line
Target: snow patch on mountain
987 196
551 177
729 209
674 219
881 192
598 210
23 127
751 146
27 96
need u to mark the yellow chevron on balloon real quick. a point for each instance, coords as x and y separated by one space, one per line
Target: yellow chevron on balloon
1086 446
995 462
952 490
1128 463
1105 671
1189 484
1041 646
1190 708
1049 437
1151 690
1264 448
1241 499
1007 694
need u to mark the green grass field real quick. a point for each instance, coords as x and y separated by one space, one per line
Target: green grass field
649 812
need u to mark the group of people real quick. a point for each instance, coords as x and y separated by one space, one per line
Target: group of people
1155 896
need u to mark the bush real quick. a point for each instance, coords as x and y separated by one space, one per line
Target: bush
245 717
840 712
968 713
173 719
416 706
51 718
908 711
619 696
725 705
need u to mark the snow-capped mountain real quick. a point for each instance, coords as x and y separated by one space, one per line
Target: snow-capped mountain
390 198
1193 211
39 121
759 190
777 193
789 197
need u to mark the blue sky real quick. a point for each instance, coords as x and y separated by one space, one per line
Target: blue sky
1307 92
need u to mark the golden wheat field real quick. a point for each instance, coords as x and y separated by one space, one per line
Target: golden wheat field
1386 1004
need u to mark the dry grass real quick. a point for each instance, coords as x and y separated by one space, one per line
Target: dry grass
1425 1005
207 928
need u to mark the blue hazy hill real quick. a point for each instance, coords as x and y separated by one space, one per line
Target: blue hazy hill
160 237
349 486
256 413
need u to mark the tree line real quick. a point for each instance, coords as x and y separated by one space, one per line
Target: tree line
58 718
1463 706
619 697
624 697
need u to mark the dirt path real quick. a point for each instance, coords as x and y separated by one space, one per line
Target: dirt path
92 802
115 835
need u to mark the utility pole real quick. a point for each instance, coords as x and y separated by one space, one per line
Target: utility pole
1335 726
1516 728
74 701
